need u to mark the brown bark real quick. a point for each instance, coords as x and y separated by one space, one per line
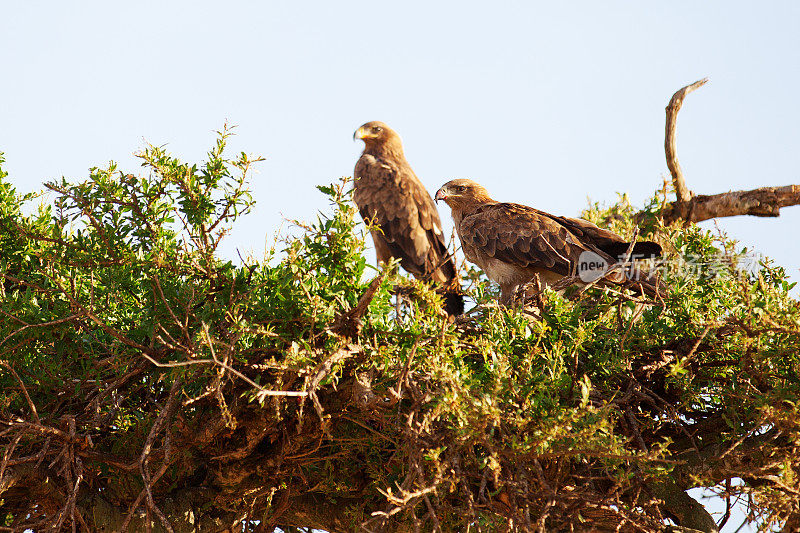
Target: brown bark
763 202
675 103
684 509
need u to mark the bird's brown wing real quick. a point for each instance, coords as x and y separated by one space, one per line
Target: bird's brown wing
390 196
605 240
523 237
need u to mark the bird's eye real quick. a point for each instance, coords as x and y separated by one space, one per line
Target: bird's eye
461 188
377 129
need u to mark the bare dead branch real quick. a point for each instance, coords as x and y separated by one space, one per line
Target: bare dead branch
675 103
348 324
688 207
762 202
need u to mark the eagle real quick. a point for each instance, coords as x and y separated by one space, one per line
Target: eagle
393 200
513 243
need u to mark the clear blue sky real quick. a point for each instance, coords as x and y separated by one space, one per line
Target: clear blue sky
544 103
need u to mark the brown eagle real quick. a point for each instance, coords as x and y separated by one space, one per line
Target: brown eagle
512 242
390 196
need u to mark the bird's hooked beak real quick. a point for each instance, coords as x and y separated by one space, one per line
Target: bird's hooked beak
360 133
441 194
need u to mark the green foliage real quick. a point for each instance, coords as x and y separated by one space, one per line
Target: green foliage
115 304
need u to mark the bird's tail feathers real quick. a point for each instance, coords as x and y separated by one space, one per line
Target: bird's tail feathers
453 303
453 297
447 274
641 250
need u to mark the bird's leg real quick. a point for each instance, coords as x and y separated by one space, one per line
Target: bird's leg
536 293
397 305
401 296
519 297
508 295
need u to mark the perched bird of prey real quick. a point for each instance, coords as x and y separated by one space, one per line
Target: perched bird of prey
512 242
390 196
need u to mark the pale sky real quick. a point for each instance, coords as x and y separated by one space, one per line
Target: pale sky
545 103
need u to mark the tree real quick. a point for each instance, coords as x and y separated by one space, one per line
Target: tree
149 385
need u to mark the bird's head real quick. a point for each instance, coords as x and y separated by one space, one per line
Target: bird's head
374 132
462 193
379 138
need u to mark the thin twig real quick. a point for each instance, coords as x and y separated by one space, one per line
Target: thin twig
40 325
32 407
261 391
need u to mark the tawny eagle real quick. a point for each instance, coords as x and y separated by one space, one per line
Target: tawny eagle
512 242
390 197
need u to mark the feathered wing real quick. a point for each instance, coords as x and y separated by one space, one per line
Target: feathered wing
607 241
391 197
532 241
522 236
616 247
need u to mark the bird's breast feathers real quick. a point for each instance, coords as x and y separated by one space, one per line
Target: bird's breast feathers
371 170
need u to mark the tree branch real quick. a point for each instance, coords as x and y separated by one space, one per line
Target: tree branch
675 103
683 508
348 324
763 202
